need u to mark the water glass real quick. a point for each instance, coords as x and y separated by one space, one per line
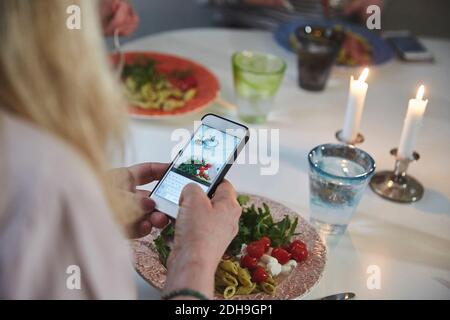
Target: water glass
257 77
338 176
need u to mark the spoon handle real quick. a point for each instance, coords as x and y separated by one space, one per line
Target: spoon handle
340 296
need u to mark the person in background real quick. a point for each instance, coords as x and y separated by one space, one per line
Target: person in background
61 210
268 14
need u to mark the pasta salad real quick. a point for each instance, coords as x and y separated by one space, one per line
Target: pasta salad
148 88
261 255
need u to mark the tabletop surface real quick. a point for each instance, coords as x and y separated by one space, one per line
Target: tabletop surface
408 246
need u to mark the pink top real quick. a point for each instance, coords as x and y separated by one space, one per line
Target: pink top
58 238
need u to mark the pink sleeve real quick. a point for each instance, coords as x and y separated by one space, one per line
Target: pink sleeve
58 240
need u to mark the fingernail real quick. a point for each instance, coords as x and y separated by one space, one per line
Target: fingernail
145 228
159 220
148 204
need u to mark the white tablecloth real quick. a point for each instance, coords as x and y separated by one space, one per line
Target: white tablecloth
410 244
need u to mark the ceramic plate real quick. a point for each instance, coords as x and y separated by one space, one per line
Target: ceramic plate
298 283
207 83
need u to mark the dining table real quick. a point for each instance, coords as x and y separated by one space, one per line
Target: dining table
390 250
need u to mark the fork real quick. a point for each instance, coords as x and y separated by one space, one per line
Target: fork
118 50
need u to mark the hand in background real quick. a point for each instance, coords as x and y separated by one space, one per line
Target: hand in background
203 230
127 179
359 7
118 14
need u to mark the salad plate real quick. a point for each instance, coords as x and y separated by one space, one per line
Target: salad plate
159 85
285 229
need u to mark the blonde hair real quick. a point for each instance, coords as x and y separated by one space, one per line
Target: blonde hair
59 79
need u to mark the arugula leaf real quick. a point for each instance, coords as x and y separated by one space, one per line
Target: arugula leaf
182 74
160 242
255 223
142 71
243 199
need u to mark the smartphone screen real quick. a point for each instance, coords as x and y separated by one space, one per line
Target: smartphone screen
201 162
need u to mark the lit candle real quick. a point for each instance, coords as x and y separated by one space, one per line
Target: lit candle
412 124
355 106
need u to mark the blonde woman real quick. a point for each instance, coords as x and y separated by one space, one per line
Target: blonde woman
60 116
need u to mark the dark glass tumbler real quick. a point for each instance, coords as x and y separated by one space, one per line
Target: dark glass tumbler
317 49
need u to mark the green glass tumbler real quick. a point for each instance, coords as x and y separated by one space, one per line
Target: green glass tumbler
257 77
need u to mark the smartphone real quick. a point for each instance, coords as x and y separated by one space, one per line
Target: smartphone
204 160
408 46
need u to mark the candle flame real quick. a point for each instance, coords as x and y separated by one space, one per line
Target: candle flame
364 75
420 92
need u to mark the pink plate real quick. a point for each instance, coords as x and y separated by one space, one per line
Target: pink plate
299 282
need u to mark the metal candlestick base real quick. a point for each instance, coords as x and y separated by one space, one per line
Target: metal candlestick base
359 138
396 185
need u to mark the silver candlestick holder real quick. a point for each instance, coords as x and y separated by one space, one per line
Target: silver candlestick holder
397 185
359 138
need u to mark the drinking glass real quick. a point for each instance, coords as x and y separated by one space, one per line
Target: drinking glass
257 77
338 176
317 49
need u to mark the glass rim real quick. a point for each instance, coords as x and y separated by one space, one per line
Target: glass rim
358 177
278 71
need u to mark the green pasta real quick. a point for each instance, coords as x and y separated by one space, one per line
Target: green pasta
268 288
246 290
226 278
229 266
231 279
229 292
156 93
271 280
244 277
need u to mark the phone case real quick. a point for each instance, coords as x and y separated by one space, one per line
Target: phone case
227 167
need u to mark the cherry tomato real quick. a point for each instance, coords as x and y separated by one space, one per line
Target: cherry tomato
281 255
255 249
297 244
190 82
266 243
178 84
299 254
249 262
185 83
296 249
259 274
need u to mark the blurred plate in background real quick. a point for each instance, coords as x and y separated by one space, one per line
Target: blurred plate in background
381 52
206 84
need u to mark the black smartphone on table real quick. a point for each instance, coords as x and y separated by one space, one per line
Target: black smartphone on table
204 160
407 46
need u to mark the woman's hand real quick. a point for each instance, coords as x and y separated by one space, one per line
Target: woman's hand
127 179
120 15
203 230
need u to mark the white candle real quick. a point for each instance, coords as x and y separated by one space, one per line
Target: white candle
355 107
412 124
